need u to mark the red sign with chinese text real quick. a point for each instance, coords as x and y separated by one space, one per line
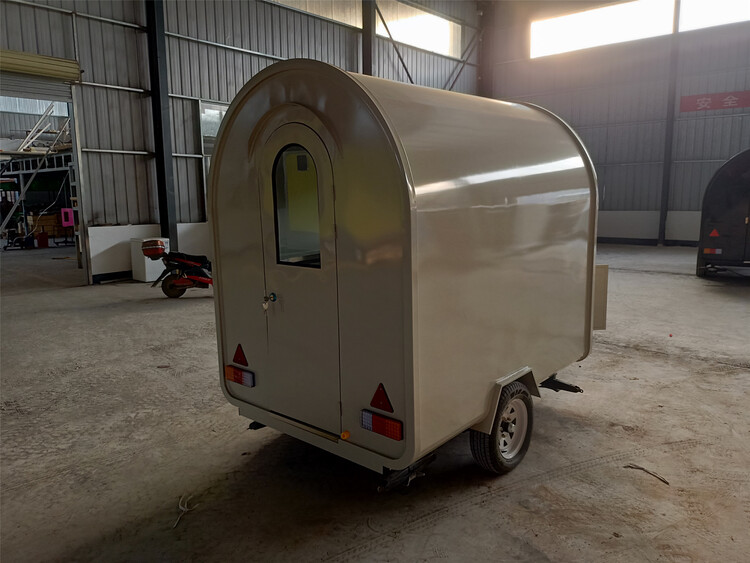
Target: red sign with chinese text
722 100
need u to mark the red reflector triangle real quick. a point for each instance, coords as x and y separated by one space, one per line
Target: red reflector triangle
239 356
714 233
380 400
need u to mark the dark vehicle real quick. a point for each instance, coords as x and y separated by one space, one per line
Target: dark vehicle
181 271
725 229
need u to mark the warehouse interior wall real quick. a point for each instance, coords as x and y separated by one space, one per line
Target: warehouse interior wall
15 125
214 48
616 98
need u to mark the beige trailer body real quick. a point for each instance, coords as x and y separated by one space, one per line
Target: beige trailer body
449 250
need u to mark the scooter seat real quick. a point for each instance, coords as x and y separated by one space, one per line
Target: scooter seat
197 259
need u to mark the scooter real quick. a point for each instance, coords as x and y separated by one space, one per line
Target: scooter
181 271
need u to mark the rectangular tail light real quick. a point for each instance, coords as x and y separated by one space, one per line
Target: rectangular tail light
241 376
388 427
712 251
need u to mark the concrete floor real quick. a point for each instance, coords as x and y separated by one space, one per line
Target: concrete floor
111 411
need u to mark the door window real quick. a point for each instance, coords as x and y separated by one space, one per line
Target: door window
295 193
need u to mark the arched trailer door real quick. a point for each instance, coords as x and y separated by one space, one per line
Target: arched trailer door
300 378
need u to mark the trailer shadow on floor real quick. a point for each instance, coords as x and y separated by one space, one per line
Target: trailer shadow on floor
292 499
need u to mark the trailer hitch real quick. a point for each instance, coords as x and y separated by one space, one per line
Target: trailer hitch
556 385
394 479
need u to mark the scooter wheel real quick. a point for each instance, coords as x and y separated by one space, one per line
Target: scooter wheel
170 289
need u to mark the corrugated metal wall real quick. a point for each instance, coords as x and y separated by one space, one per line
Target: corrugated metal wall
116 137
36 30
466 13
615 97
232 41
427 69
430 69
214 48
710 60
246 38
33 107
16 125
120 185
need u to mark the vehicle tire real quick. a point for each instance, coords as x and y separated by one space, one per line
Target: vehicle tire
700 269
502 450
169 288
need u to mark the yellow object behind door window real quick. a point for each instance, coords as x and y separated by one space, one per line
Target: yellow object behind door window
302 191
296 203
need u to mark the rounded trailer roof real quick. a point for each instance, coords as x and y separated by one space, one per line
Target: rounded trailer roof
445 142
736 170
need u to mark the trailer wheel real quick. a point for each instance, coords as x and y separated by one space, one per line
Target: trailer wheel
502 450
170 289
700 269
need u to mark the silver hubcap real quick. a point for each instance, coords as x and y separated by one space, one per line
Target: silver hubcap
513 423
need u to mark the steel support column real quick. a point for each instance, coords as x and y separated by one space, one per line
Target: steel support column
368 35
157 53
674 51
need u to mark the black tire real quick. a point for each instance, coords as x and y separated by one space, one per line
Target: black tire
487 449
169 288
700 269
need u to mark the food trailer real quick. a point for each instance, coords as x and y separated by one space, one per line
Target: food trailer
395 264
725 229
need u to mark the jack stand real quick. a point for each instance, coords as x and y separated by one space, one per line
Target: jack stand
394 479
556 385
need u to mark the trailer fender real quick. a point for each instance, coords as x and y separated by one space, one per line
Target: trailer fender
525 376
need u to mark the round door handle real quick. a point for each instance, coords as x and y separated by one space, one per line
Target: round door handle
272 297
